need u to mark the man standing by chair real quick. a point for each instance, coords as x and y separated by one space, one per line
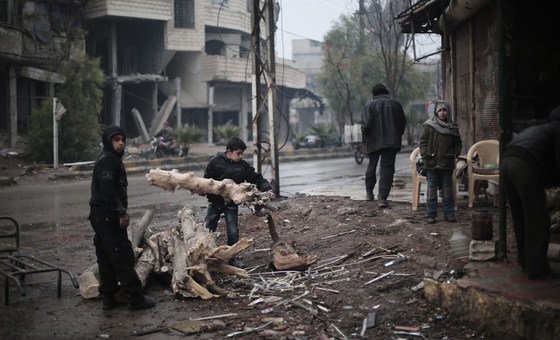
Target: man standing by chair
383 124
530 164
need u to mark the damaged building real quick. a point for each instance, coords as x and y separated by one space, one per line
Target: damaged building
185 61
34 38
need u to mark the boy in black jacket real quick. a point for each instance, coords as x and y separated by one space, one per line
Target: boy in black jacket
230 164
109 219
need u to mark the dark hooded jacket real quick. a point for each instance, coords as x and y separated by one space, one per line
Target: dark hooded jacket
440 143
109 182
539 146
383 123
221 167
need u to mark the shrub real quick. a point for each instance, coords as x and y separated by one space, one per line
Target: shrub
40 134
188 135
227 131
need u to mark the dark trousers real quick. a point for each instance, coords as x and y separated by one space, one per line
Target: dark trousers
531 220
438 178
230 212
115 257
386 171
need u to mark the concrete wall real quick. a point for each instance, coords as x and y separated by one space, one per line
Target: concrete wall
187 39
234 16
145 9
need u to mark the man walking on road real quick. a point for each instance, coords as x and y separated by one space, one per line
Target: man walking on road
383 124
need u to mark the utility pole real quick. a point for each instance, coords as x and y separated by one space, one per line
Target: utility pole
267 73
361 13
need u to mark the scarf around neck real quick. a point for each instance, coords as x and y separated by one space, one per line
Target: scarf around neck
448 128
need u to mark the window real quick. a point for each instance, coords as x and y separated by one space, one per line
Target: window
184 13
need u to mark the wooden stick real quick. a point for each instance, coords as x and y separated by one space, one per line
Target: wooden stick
251 330
339 332
213 317
379 277
328 290
339 234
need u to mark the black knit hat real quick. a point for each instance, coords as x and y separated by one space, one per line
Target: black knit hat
379 89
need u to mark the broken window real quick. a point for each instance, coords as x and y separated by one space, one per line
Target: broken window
184 13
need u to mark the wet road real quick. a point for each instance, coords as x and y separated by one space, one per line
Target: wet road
67 202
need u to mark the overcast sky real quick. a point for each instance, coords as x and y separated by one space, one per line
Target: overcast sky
312 19
307 19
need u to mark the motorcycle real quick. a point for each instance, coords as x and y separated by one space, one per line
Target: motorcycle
162 148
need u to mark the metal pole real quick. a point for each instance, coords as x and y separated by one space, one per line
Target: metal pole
55 134
210 114
272 100
255 86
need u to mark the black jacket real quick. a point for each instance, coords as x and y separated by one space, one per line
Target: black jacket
109 182
383 124
439 148
220 167
540 147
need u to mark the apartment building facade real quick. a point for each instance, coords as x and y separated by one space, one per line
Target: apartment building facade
191 57
33 41
186 61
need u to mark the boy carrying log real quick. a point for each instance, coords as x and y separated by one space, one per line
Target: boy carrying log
230 165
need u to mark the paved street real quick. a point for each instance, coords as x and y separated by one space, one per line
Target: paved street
67 202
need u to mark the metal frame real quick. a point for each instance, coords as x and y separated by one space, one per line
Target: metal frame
15 265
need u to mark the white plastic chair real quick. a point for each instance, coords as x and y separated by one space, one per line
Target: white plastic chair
487 166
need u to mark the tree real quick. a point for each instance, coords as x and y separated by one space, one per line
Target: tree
79 129
82 95
353 66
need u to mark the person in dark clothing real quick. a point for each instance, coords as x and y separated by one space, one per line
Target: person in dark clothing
530 164
383 124
230 165
440 144
109 218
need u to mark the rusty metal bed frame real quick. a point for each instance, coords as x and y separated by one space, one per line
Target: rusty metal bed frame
14 265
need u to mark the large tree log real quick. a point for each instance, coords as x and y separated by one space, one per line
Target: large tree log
89 278
197 257
244 193
138 231
284 256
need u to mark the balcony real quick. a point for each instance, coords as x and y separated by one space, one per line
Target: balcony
238 70
142 9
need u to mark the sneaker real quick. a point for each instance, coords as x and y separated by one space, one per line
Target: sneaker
109 301
451 219
431 220
235 263
140 301
383 204
369 197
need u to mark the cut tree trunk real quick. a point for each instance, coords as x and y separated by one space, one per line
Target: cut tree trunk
197 257
284 256
243 193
